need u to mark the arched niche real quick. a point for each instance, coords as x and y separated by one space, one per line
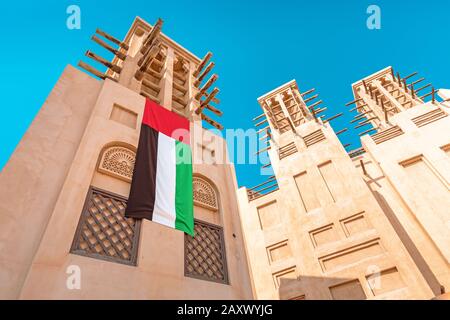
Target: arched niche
114 169
117 159
206 200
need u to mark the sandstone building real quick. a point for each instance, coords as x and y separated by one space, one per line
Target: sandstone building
327 225
373 223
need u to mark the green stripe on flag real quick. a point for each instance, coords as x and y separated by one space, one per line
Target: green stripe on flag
184 202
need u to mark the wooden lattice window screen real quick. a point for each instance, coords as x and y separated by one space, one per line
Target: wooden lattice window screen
204 254
103 232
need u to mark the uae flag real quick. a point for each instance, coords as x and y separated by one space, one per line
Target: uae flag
161 189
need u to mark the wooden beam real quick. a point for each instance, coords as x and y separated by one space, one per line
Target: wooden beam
361 162
405 86
365 122
214 110
263 150
416 82
270 179
204 61
261 123
208 84
311 98
151 54
94 71
151 84
259 117
150 96
353 102
262 129
104 62
320 110
205 102
426 95
116 52
358 107
112 39
211 122
333 117
367 131
341 131
386 116
365 86
423 87
215 100
399 80
152 35
179 99
308 92
204 74
357 118
315 104
410 76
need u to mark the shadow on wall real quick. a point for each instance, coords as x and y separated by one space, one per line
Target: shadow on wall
320 288
409 245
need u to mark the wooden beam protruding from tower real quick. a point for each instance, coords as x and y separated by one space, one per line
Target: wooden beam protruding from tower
112 39
116 52
416 82
341 131
410 76
103 61
202 64
311 98
333 117
365 122
94 71
153 34
151 54
204 74
205 102
307 92
358 107
211 122
315 104
353 102
206 86
363 167
367 131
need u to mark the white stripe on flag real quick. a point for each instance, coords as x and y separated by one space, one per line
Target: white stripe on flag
164 211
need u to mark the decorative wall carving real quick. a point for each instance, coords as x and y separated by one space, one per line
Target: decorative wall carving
117 161
204 194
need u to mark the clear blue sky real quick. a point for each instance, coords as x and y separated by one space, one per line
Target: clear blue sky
257 46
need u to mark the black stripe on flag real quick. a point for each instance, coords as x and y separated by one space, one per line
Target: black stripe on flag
143 186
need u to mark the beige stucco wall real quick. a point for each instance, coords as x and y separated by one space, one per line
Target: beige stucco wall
32 178
420 213
159 273
317 276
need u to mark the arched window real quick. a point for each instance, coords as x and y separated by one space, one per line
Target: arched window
103 232
205 256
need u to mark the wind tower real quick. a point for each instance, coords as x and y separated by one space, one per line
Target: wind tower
65 188
314 230
405 161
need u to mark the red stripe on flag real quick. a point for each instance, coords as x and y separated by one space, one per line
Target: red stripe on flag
166 122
